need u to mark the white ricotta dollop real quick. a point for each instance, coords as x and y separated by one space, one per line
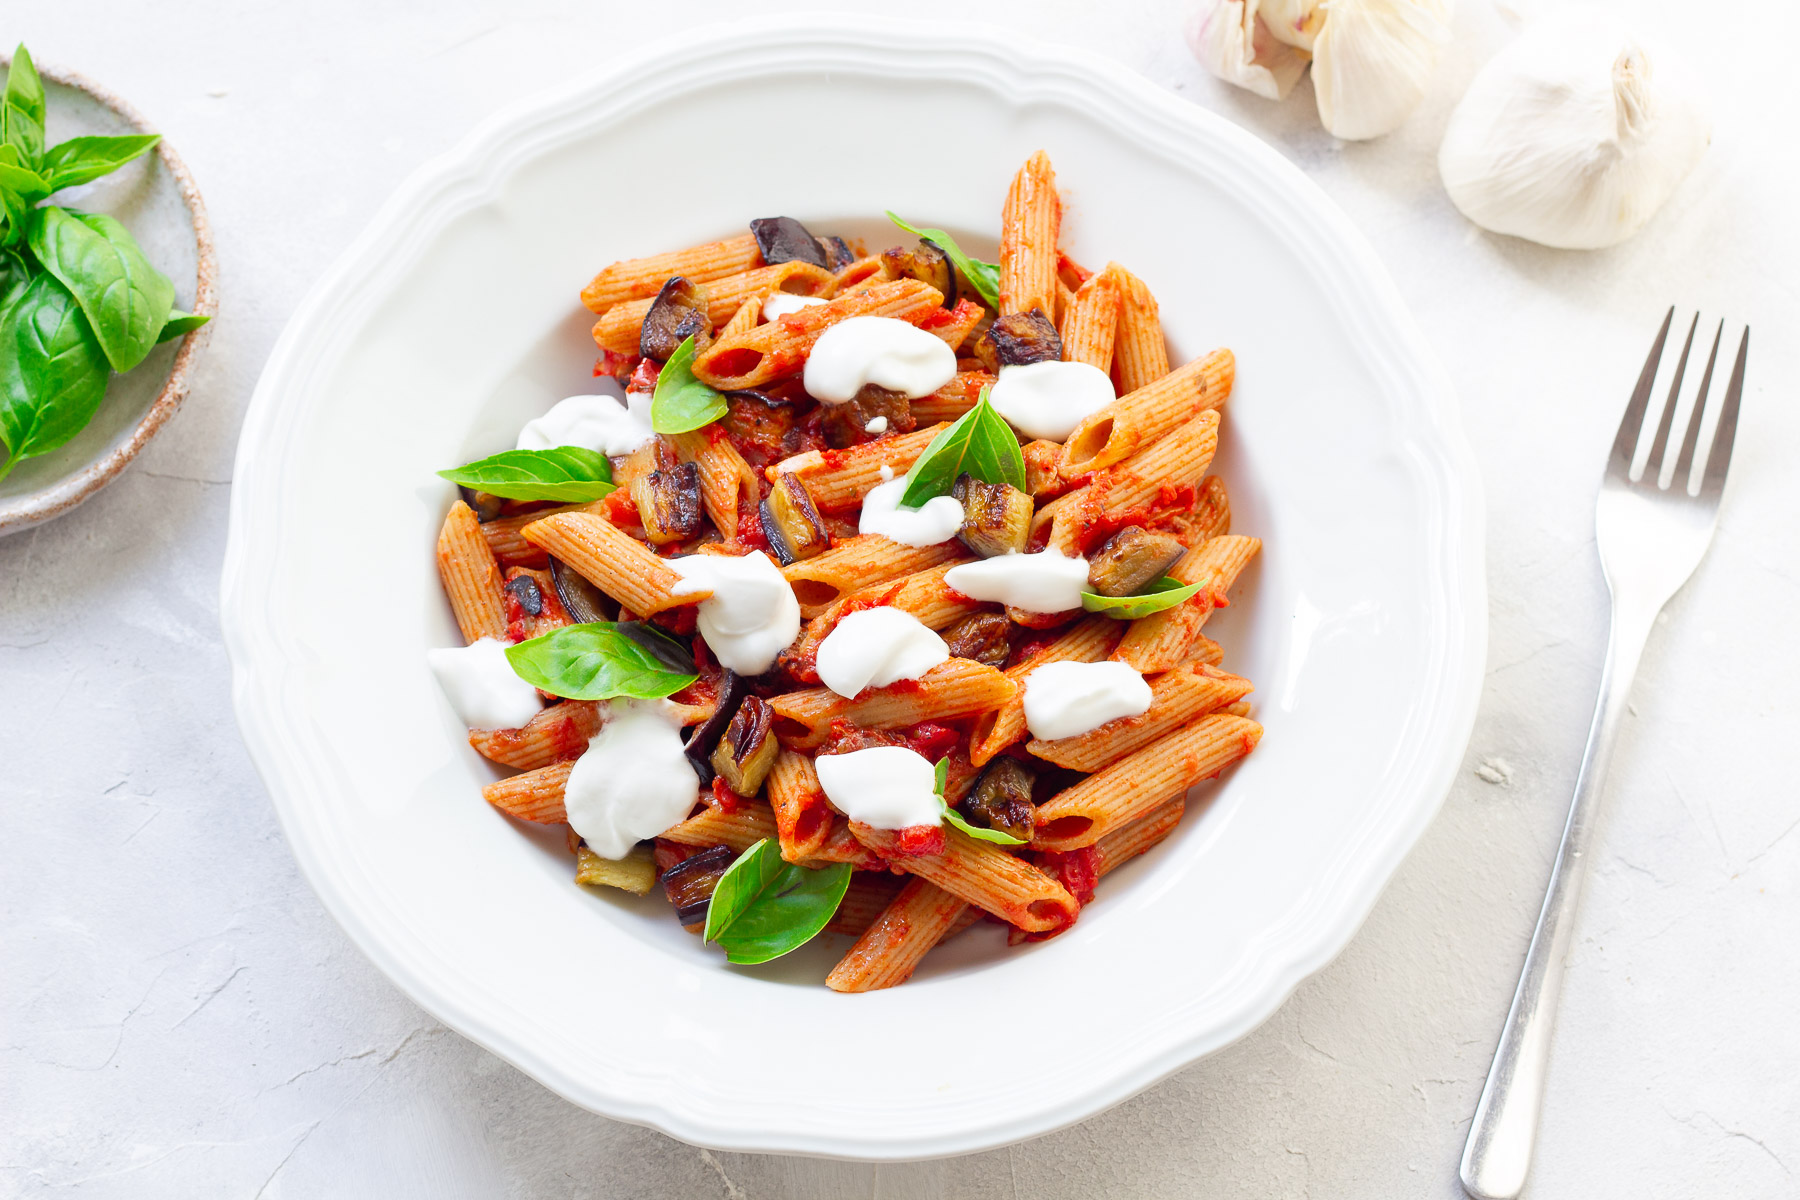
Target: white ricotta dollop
1063 699
599 423
876 647
482 686
1045 582
633 782
1049 399
884 351
889 787
780 304
751 615
876 425
882 513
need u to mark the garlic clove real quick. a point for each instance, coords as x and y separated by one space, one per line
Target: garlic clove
1372 59
1574 135
1296 22
1233 42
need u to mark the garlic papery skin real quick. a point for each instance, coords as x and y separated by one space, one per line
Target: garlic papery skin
1574 135
1296 22
1371 61
1231 41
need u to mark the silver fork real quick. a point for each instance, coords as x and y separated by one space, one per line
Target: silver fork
1650 538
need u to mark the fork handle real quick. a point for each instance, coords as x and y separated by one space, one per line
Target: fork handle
1497 1157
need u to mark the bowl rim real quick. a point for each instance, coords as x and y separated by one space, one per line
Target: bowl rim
33 508
473 172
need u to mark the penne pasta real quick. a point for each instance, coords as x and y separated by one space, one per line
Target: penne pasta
1091 322
839 479
1177 696
535 796
803 819
729 489
1140 352
779 348
957 687
1138 418
1089 641
859 562
613 561
748 316
560 732
1151 476
982 874
953 324
636 278
1160 640
867 897
1029 223
887 953
952 400
507 543
1128 841
619 327
924 594
471 576
741 827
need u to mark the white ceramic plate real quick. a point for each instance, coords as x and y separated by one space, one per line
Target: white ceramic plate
454 319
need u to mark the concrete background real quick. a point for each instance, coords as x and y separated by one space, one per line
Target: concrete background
178 1017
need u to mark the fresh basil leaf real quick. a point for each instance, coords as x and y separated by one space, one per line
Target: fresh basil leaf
764 907
52 371
182 323
568 474
595 661
85 159
125 298
16 209
940 775
1164 593
998 836
681 402
980 443
28 185
984 275
665 648
22 109
14 276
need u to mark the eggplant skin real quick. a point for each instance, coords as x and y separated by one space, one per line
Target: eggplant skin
748 748
689 884
699 746
487 506
1001 799
524 589
927 263
668 503
996 516
677 313
838 253
1131 560
981 637
1019 339
584 602
791 522
783 239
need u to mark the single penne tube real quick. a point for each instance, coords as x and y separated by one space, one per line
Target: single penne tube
1089 640
1030 220
1212 509
619 327
838 480
728 485
748 316
613 561
508 545
636 278
841 846
802 818
957 687
1175 461
1070 273
952 400
1205 650
1124 791
860 273
1160 640
859 562
953 324
1092 321
1177 696
741 828
892 945
535 796
780 347
982 874
1138 418
1128 841
635 873
867 897
1140 353
561 731
471 576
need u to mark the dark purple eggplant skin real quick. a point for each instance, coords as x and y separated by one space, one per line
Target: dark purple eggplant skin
585 602
677 313
783 239
789 505
662 646
838 253
689 883
524 589
487 507
706 735
1018 339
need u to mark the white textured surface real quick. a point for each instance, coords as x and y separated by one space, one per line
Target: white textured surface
178 1018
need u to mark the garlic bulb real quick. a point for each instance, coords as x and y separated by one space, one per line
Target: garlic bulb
1295 22
1371 61
1231 40
1574 135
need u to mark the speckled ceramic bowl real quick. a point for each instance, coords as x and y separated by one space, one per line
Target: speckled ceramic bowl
156 199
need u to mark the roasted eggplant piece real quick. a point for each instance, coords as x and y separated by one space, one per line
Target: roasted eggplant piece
668 503
1019 339
981 637
747 751
996 516
1131 560
783 239
791 522
689 883
677 313
927 263
1001 799
838 253
706 735
525 590
585 602
848 424
487 506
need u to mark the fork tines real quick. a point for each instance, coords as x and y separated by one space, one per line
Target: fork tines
1632 425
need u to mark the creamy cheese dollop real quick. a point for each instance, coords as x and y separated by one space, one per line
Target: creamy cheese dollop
751 615
937 521
600 423
780 304
1063 699
482 686
876 425
633 782
884 351
1049 399
1046 582
876 647
888 787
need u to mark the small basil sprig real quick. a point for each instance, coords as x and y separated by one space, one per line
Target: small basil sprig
998 836
22 108
1164 593
980 443
681 402
764 906
567 474
984 275
599 661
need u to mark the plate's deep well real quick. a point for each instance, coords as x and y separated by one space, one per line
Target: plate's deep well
454 319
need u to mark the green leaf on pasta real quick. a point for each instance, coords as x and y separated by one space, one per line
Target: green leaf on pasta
566 474
765 907
984 275
980 833
600 660
1164 593
681 402
979 443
